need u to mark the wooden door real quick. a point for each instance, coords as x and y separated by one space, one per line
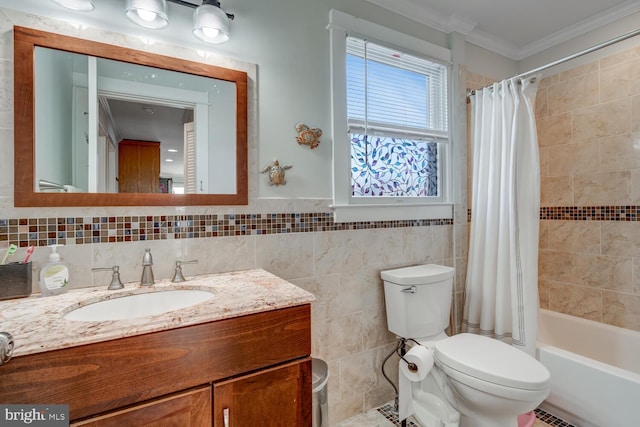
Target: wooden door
276 397
188 409
138 166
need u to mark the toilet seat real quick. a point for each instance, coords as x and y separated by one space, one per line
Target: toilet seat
492 361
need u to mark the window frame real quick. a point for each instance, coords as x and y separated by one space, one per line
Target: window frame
347 208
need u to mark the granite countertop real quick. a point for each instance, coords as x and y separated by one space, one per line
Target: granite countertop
37 322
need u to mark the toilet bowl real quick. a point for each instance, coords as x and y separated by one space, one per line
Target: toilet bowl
487 381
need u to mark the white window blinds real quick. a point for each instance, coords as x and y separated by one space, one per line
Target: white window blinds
394 92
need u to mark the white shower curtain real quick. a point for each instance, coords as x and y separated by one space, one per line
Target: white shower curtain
501 295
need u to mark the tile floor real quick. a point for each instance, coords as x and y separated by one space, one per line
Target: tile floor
384 417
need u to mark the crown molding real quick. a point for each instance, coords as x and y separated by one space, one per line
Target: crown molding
450 23
576 30
424 15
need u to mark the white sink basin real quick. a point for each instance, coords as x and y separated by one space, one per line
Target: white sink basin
138 305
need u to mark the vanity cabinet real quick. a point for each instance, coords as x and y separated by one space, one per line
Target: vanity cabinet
269 398
257 366
188 409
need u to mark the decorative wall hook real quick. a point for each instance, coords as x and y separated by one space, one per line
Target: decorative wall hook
308 136
276 173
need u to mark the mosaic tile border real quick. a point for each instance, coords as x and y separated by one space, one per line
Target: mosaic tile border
550 419
388 411
25 232
586 213
591 213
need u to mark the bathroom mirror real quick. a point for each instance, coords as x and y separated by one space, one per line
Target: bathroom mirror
73 142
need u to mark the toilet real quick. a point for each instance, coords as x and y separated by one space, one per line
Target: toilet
487 381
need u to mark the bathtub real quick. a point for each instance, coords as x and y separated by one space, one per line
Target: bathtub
595 370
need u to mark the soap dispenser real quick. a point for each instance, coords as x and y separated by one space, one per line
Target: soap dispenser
54 276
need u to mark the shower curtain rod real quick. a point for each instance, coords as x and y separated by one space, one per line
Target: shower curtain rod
574 56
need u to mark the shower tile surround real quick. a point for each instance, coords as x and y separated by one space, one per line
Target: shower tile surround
588 121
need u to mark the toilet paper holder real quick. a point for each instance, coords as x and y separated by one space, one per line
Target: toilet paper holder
400 349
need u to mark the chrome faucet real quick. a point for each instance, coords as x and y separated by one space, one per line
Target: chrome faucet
115 277
147 272
177 274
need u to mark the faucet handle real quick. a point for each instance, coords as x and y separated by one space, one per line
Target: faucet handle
6 347
115 277
177 275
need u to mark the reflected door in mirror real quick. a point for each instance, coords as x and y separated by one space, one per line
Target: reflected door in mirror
138 166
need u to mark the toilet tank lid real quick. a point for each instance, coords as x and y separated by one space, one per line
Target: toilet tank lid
418 274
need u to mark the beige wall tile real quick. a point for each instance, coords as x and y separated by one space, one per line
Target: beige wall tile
612 188
544 161
542 102
621 239
289 256
572 73
381 248
618 57
327 291
554 130
577 92
602 120
543 240
620 81
635 285
339 337
572 159
574 236
635 115
556 266
543 294
374 329
620 152
621 310
576 300
635 187
556 191
598 271
219 254
337 251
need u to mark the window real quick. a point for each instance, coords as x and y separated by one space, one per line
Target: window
391 97
397 116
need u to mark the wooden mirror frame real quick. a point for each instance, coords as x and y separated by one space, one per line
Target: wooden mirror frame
25 41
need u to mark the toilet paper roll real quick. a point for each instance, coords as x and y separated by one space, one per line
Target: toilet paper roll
422 358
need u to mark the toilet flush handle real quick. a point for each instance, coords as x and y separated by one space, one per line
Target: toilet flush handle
411 290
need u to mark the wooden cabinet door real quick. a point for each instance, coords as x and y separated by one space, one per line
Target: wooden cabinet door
276 397
188 409
138 166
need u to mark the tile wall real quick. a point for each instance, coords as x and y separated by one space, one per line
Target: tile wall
292 238
588 121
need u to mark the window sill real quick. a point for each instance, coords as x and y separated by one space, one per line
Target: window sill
358 213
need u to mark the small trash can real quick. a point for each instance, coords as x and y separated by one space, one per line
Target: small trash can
320 413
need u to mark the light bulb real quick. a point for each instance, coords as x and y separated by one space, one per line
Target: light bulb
210 32
146 15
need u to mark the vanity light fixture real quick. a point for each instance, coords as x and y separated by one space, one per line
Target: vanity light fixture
148 13
77 5
210 22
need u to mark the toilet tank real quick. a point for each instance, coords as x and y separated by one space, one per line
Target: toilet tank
418 299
